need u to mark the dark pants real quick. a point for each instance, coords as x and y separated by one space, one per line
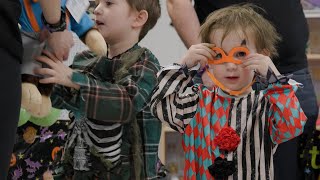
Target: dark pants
10 99
286 157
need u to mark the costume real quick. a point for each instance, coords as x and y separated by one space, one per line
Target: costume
35 142
293 29
36 96
114 135
260 120
37 149
79 28
11 55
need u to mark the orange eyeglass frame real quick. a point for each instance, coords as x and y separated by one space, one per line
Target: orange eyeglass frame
228 58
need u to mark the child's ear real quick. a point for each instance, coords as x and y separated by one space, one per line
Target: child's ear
140 19
266 52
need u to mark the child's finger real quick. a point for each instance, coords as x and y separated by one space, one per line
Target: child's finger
203 60
208 45
250 56
45 71
48 80
254 56
252 67
248 64
205 52
212 53
251 60
45 60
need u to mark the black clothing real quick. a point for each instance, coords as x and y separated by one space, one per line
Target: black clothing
10 100
288 18
10 38
10 79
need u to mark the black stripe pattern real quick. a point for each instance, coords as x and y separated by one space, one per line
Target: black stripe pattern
248 115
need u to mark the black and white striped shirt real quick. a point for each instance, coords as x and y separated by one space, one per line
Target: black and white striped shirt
253 116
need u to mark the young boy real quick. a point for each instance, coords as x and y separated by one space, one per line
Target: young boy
114 135
230 131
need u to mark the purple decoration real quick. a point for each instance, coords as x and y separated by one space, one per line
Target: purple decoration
17 173
61 134
45 135
31 170
43 130
315 2
32 164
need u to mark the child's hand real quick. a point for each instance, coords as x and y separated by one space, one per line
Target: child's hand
59 73
259 63
199 53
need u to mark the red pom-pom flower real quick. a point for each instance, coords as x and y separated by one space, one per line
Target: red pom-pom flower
227 139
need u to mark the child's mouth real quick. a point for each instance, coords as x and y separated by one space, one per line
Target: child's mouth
232 78
99 23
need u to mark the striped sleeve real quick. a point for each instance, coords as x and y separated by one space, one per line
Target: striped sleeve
285 115
169 103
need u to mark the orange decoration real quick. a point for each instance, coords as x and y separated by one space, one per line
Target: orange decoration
236 55
30 134
54 152
13 160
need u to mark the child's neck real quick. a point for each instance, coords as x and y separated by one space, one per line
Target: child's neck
120 47
224 94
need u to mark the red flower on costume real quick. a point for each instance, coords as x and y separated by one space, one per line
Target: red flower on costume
227 139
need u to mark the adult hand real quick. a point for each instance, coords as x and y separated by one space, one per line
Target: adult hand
60 43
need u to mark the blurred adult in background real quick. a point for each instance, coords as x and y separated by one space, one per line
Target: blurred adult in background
10 77
10 96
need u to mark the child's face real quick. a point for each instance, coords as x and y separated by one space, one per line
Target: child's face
114 19
231 75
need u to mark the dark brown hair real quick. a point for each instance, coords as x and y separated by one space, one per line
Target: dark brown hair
154 11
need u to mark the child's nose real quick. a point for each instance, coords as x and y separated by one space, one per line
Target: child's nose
97 10
231 66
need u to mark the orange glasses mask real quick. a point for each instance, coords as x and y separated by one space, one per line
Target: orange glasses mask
236 56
